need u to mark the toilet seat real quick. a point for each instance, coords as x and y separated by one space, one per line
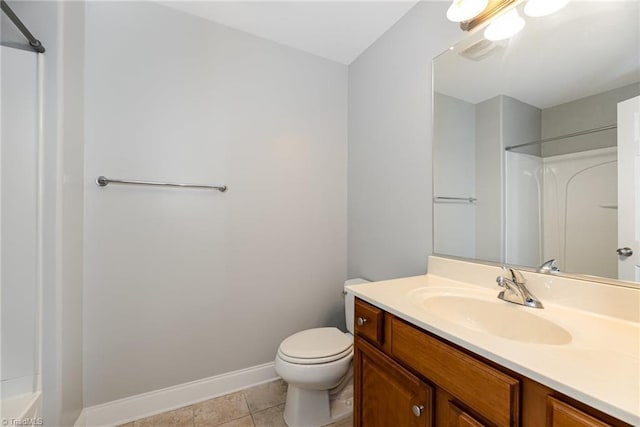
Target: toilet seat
316 346
316 361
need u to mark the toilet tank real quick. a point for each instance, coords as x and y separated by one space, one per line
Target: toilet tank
349 302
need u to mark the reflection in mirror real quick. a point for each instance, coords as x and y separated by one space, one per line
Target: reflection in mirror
535 143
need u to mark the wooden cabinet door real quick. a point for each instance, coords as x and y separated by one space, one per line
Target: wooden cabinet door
459 418
560 414
387 395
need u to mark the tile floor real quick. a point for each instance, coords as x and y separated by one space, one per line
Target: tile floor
259 406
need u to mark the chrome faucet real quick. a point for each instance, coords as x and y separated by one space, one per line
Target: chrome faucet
515 290
548 267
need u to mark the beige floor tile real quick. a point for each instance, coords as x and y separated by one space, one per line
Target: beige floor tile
271 417
347 422
182 417
220 410
240 422
266 395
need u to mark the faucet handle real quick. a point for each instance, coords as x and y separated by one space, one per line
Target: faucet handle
548 267
517 276
501 281
514 275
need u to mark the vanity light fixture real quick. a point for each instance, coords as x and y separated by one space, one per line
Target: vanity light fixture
464 10
506 21
473 14
536 8
504 26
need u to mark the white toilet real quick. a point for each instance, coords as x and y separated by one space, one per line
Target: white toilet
316 364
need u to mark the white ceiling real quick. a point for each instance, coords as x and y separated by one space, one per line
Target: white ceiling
336 30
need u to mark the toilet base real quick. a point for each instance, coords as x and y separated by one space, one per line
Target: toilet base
342 404
319 408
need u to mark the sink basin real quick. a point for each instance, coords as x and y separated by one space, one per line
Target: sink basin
496 318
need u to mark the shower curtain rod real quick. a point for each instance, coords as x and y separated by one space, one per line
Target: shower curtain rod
556 138
33 42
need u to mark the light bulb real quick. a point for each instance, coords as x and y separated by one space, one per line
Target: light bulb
464 10
504 26
536 8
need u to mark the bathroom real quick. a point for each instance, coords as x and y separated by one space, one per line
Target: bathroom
317 119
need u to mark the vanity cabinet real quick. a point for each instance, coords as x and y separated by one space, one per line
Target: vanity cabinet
405 376
560 414
389 394
459 418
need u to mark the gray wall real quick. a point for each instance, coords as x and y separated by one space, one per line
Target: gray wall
489 180
60 27
454 145
185 284
584 114
521 125
72 187
389 166
454 173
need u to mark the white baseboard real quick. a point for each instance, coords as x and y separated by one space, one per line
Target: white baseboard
82 420
143 405
20 407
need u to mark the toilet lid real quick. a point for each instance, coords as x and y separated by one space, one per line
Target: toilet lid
319 343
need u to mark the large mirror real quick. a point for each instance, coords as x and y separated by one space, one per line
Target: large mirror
536 146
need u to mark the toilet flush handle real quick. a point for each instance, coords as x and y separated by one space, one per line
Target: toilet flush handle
361 321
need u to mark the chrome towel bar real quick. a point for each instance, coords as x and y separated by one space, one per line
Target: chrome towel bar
103 181
442 199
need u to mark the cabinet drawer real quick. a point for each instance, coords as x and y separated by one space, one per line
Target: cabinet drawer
560 414
369 321
459 418
491 393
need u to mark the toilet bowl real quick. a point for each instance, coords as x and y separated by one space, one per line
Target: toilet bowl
316 365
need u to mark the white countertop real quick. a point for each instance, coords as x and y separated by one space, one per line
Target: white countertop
600 366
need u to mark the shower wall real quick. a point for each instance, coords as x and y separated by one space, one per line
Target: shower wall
20 290
562 198
60 26
580 200
184 284
520 125
558 206
580 183
524 209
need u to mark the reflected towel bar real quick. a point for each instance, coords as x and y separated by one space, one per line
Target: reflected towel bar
103 181
454 199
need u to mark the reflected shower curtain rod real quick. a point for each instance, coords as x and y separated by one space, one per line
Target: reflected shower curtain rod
556 138
33 42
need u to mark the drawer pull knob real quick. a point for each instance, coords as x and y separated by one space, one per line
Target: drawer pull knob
361 321
417 410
